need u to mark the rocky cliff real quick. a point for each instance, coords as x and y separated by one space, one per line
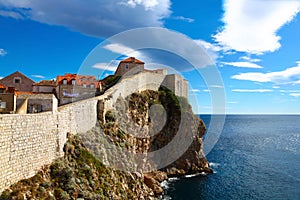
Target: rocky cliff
122 158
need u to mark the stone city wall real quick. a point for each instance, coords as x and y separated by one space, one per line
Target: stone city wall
29 141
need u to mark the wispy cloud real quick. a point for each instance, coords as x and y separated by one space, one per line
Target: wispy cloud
290 91
195 90
38 76
107 66
252 90
287 76
232 102
252 25
216 86
243 64
2 52
186 19
295 94
123 50
159 48
249 59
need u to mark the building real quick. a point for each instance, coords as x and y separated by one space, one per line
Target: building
174 82
129 66
45 86
177 84
74 87
18 81
7 100
29 102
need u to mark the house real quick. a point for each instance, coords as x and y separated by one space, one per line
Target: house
74 87
130 66
29 102
7 100
174 82
45 86
18 81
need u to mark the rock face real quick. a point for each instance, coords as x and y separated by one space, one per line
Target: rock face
122 158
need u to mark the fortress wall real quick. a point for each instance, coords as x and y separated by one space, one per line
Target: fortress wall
128 85
29 141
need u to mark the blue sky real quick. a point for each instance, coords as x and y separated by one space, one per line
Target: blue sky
254 44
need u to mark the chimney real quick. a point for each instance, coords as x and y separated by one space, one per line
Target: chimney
132 59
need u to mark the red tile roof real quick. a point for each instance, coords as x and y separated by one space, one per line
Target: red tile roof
17 93
79 79
2 86
45 83
132 60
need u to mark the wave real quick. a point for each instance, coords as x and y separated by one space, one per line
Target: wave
173 179
212 164
197 174
165 184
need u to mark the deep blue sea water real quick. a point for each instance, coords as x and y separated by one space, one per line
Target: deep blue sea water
256 157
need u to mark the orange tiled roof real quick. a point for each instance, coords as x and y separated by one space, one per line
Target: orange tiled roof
80 79
2 86
17 93
132 60
45 83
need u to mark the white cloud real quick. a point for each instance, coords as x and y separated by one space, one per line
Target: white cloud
249 59
38 76
186 19
148 4
206 90
195 90
216 86
2 52
1 77
287 76
295 94
252 90
98 18
290 91
107 66
252 25
123 50
232 102
243 64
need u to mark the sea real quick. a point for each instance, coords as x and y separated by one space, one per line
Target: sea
256 157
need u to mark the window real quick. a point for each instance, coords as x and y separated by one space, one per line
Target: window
92 85
17 80
84 85
2 105
126 67
65 82
73 82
